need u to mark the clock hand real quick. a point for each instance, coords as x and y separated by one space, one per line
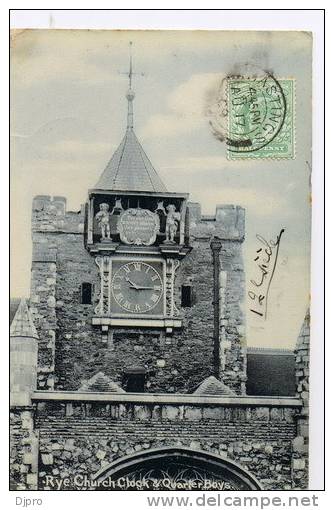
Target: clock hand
139 287
133 285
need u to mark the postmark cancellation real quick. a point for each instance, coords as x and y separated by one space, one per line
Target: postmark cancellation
260 118
254 115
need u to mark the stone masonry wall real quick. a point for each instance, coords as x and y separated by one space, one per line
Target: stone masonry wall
71 350
49 219
193 360
227 228
23 449
80 350
43 311
83 438
173 363
232 330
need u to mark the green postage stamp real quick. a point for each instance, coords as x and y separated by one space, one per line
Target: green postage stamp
260 118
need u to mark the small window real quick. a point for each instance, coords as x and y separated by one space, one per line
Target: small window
186 296
86 293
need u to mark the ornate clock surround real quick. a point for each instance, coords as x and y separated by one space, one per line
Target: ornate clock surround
112 252
113 274
165 315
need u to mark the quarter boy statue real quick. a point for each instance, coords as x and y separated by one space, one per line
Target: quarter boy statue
102 218
172 222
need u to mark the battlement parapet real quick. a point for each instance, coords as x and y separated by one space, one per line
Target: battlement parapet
49 215
52 205
227 223
230 221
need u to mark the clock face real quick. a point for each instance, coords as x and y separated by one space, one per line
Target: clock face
137 287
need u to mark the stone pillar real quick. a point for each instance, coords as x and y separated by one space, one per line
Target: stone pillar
23 356
23 379
216 246
224 343
300 444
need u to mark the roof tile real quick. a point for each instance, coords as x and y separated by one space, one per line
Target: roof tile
211 386
101 382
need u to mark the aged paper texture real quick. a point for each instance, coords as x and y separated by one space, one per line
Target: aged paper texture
160 219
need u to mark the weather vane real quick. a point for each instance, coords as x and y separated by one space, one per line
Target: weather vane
131 73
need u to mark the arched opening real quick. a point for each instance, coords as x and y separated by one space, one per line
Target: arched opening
174 468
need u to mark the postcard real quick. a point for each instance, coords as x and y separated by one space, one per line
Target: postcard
161 234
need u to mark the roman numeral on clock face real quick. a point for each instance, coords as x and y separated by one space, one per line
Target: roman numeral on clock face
119 297
127 305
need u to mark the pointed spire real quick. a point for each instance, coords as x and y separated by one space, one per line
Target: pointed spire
130 95
23 324
130 169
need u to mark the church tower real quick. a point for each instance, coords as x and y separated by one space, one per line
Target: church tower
137 236
138 285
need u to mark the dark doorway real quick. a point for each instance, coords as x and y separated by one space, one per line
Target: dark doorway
134 379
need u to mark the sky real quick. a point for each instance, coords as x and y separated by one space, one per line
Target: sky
68 115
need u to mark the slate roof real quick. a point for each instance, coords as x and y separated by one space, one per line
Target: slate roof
22 324
270 372
211 386
130 169
101 382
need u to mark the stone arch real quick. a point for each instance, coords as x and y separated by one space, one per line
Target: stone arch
174 468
